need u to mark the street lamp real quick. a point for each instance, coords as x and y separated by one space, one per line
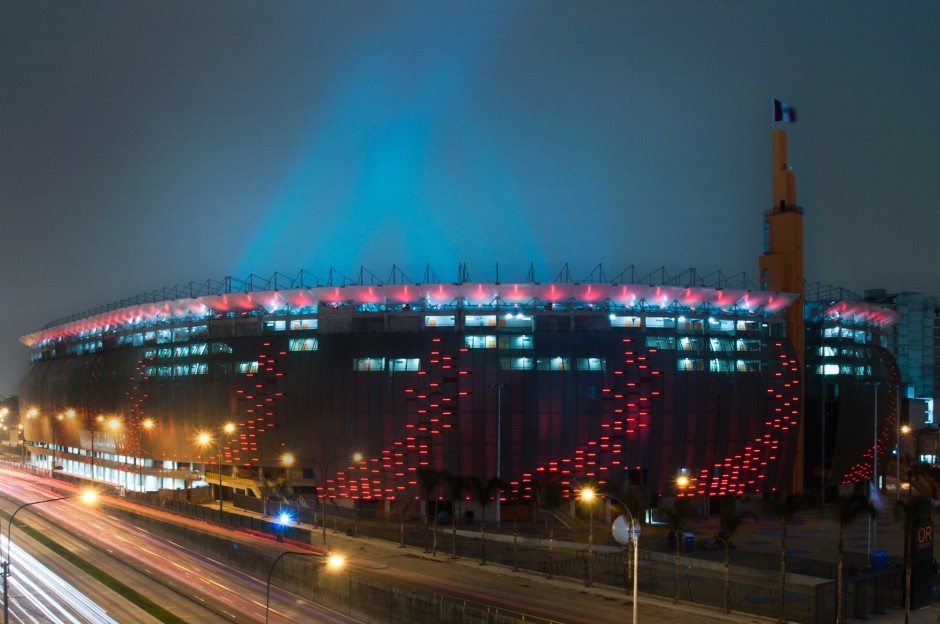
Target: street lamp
205 439
87 496
146 425
334 562
587 496
288 459
632 535
499 442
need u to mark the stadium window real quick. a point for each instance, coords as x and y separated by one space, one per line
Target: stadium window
198 368
515 342
480 342
691 325
625 321
591 364
519 363
275 326
164 336
165 352
303 344
748 366
720 345
198 349
400 365
440 321
689 344
553 364
199 331
480 321
720 366
516 321
690 364
181 352
247 367
304 324
747 344
367 365
661 342
181 334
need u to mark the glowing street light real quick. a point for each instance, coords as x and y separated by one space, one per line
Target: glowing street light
587 497
333 562
288 459
87 496
204 439
146 424
633 534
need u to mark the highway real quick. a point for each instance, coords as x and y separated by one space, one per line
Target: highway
199 590
194 588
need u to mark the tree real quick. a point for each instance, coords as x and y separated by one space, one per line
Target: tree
456 485
916 510
730 521
429 480
785 509
483 492
678 515
847 509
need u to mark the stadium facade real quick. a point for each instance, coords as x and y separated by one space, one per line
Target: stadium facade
625 381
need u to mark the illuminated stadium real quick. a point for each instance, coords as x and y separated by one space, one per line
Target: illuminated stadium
618 382
632 381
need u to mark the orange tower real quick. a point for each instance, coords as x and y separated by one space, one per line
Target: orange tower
781 269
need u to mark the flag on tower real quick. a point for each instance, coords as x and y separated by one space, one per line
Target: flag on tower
784 112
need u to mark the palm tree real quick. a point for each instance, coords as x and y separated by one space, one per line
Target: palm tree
916 511
677 517
847 509
406 505
785 509
730 521
429 481
455 485
482 492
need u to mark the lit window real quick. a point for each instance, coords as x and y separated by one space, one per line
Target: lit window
440 321
304 324
591 364
625 321
303 344
400 365
553 364
480 342
369 364
247 367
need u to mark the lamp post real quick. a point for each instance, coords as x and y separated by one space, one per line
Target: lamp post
499 446
87 496
587 496
288 459
205 439
335 562
633 530
146 425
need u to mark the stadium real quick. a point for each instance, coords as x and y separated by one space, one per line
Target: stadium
631 381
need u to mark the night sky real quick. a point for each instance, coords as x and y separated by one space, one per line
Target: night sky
149 144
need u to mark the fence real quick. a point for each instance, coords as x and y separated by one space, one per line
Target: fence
701 579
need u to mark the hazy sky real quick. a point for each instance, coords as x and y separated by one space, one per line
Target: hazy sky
148 144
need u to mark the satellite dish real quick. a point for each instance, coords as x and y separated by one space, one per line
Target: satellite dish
621 530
